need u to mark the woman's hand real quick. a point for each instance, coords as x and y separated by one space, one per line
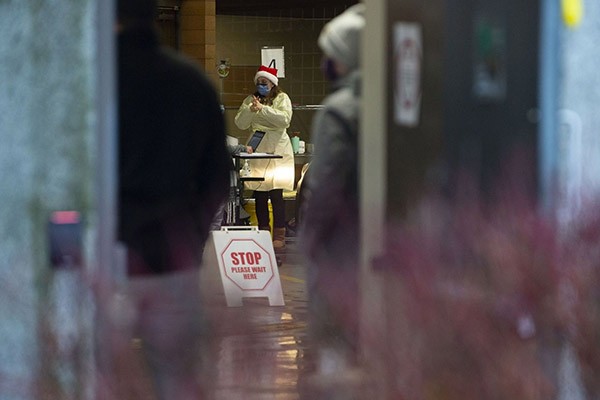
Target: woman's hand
249 150
256 105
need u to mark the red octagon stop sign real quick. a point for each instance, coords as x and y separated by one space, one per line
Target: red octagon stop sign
247 264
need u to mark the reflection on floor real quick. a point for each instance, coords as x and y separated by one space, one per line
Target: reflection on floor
253 352
258 351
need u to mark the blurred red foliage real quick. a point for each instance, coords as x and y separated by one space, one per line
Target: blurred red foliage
477 284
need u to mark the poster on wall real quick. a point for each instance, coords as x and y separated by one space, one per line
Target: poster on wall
273 57
408 55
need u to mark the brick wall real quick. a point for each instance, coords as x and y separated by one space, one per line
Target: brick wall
198 33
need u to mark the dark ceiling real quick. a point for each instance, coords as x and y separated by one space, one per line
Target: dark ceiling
301 8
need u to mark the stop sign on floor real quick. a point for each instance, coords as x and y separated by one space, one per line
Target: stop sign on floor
247 264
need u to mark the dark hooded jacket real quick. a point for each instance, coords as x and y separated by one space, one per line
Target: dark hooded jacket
173 161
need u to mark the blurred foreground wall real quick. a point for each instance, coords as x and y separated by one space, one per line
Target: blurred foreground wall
47 153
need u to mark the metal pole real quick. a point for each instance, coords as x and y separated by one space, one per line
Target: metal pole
106 128
106 176
549 71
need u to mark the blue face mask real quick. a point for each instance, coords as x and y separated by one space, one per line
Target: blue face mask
263 89
328 69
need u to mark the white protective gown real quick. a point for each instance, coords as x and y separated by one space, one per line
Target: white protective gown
274 120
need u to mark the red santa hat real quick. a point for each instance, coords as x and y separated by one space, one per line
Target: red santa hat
266 72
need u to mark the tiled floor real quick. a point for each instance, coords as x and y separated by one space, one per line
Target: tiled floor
260 351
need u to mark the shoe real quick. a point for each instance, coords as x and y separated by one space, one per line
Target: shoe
279 238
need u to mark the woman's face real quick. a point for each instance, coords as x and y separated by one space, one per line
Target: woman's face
264 81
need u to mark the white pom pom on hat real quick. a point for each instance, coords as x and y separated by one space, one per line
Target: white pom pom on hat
266 72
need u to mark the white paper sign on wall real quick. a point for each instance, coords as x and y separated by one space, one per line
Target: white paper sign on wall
246 262
408 55
273 57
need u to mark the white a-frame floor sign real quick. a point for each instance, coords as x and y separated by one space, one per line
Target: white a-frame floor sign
246 262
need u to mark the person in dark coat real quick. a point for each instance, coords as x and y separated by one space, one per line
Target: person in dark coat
173 175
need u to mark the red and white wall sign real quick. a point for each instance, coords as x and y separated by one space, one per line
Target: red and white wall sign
408 57
246 262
